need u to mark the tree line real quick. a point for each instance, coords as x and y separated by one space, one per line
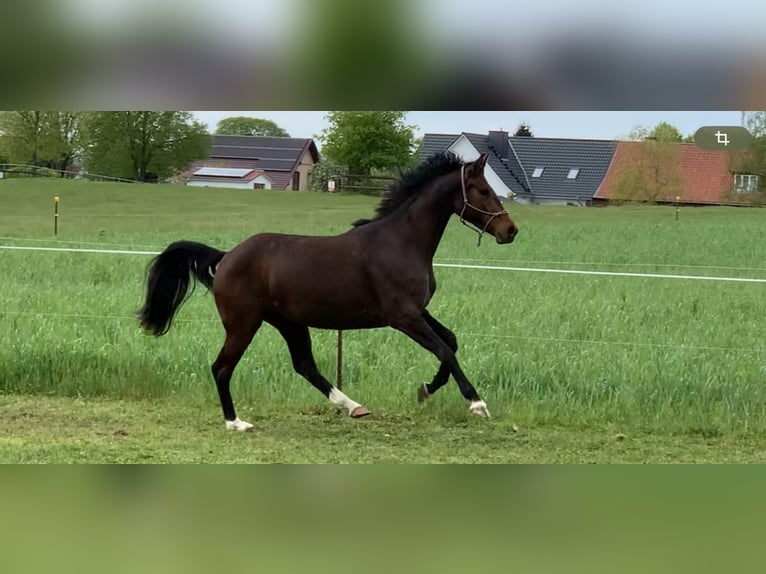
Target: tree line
138 145
151 146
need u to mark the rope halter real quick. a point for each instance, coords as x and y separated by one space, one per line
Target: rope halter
466 203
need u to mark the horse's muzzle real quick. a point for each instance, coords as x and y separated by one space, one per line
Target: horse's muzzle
508 235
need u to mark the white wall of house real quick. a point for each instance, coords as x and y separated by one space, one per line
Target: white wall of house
465 149
233 184
525 200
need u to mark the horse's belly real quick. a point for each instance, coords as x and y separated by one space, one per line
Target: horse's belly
326 315
349 324
329 312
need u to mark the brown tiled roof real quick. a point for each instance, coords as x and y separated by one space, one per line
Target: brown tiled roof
281 179
704 174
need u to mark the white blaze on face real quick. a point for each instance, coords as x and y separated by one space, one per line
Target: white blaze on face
338 398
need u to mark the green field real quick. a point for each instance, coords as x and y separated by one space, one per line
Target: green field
676 366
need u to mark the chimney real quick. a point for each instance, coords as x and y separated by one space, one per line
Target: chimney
498 142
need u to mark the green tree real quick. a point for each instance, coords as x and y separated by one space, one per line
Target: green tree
45 139
755 122
524 131
417 145
22 134
662 132
752 160
143 144
245 126
637 133
368 140
322 172
665 132
65 139
656 176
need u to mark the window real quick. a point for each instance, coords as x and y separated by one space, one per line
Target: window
745 183
296 180
259 186
538 172
573 173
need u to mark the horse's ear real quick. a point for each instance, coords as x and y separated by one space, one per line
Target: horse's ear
477 167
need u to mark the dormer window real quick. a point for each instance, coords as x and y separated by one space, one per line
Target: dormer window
538 172
573 173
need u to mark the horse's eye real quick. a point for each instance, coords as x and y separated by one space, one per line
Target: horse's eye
483 191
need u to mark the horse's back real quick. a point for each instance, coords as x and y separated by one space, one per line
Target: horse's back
310 279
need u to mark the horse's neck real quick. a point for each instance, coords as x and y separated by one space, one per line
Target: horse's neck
427 218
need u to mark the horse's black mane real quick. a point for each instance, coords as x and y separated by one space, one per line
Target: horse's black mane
411 181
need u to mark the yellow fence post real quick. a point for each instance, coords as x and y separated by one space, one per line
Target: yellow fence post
56 216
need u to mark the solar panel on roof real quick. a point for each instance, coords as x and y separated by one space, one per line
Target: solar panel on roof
223 171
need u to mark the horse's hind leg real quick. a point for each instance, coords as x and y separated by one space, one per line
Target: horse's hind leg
239 334
442 375
298 342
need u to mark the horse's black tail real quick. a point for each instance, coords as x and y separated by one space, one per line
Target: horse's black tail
169 275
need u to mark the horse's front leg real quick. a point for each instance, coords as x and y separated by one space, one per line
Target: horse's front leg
417 327
442 375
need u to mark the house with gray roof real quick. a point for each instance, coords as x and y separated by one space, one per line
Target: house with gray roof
256 162
531 169
594 172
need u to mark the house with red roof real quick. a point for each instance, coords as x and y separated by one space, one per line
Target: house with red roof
670 172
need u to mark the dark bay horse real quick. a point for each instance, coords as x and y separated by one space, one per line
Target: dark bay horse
377 274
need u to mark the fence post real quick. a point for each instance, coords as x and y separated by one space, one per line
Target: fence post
339 374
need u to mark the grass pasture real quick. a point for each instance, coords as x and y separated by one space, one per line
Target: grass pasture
575 362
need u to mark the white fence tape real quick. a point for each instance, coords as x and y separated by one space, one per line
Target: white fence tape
449 265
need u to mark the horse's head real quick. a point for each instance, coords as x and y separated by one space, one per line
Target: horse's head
479 206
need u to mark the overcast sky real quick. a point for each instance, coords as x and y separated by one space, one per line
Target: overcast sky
591 125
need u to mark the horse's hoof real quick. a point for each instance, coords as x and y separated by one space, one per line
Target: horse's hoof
423 393
239 426
359 412
479 408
